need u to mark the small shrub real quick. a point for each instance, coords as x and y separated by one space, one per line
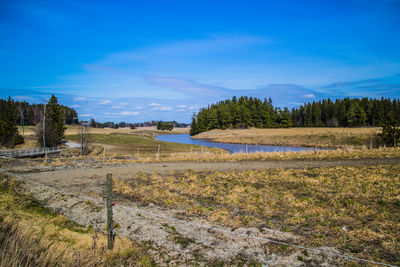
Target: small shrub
18 139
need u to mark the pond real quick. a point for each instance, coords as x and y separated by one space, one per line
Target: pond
232 148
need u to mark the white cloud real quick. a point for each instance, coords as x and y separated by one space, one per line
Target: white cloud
80 98
166 108
24 98
154 105
139 107
309 96
105 102
75 106
181 106
129 113
86 115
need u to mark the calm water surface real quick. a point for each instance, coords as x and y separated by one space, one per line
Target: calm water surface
232 148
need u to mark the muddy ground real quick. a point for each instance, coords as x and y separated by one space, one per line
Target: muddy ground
79 193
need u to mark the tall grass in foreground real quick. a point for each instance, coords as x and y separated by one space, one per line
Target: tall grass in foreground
31 235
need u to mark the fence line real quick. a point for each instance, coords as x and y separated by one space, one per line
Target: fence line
29 152
218 229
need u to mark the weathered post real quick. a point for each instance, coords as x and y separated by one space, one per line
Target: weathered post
247 151
158 153
110 223
370 143
104 153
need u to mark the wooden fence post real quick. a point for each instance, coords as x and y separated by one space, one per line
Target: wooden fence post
158 153
110 222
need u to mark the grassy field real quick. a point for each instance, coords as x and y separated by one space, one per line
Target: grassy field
31 235
139 143
311 137
355 209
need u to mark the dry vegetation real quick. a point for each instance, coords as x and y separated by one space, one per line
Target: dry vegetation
355 209
311 137
31 235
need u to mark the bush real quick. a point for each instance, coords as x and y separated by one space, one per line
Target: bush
164 126
18 139
390 133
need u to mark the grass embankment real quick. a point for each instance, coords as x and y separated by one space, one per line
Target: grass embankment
355 209
139 143
301 155
31 235
310 137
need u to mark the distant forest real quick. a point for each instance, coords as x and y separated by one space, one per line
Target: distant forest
247 112
122 124
31 114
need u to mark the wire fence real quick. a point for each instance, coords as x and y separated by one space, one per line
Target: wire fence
29 152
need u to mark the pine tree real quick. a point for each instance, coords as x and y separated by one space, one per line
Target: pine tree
8 125
308 116
54 124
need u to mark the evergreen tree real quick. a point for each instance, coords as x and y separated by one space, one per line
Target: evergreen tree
308 116
54 124
390 133
8 123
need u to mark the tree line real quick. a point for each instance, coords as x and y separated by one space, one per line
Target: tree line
346 112
123 124
49 118
245 112
30 114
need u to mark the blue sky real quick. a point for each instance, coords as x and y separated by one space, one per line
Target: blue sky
142 60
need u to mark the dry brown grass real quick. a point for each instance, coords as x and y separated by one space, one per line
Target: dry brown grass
355 209
31 235
311 137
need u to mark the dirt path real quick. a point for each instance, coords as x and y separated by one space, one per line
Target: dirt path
78 193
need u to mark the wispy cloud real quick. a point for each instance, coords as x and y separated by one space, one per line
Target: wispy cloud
163 108
80 99
87 115
129 113
212 44
105 102
309 96
153 104
25 98
185 86
342 84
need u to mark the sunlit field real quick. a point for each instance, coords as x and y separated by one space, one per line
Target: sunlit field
355 209
310 137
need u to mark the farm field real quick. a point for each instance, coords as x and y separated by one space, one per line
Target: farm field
310 137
